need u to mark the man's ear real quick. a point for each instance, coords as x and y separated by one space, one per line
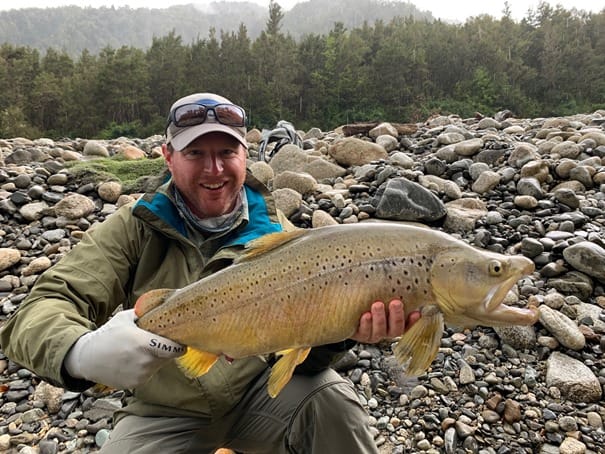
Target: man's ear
167 152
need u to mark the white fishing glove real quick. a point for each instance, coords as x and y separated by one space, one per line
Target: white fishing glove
120 354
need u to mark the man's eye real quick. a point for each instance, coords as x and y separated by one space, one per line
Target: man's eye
193 154
229 152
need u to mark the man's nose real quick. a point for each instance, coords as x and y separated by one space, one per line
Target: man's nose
213 164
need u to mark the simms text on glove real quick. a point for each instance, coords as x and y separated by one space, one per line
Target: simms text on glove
120 354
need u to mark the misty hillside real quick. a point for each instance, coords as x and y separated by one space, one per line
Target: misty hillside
74 29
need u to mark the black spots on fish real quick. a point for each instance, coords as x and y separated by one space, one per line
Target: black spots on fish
317 286
370 273
273 282
284 299
215 290
397 281
425 263
451 261
159 321
291 268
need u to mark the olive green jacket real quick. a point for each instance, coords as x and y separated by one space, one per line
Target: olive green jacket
142 246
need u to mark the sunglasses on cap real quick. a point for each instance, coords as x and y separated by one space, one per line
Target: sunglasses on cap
197 113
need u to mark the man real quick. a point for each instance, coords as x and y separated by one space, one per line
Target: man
194 225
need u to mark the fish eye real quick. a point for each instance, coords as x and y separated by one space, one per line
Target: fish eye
495 268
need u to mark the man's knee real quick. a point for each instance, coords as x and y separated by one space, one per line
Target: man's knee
332 416
337 398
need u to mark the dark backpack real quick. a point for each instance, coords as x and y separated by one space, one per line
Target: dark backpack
283 133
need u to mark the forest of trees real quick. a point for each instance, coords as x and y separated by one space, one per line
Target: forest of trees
550 63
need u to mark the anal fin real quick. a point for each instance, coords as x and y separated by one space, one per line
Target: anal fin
283 369
196 362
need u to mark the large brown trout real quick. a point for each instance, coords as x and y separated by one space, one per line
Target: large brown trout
291 291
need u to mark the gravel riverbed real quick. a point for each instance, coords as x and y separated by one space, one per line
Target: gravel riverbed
534 187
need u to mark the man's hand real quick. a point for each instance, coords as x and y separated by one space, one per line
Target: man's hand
379 323
120 354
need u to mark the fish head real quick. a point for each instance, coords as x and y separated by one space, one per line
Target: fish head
470 285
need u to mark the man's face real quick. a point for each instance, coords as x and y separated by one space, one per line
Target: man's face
209 173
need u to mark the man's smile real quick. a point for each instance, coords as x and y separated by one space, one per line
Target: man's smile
214 186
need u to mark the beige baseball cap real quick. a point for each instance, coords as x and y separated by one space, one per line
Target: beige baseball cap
180 137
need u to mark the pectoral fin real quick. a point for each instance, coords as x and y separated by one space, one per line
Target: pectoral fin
420 344
196 362
283 369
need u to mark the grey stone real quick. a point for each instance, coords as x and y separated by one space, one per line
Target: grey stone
404 200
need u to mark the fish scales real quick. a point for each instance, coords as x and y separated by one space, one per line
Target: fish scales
296 290
292 287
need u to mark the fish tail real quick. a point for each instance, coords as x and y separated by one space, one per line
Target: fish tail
420 344
150 300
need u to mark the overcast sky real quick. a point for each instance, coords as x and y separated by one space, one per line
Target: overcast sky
457 10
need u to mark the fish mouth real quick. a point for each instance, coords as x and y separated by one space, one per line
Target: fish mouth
495 313
496 295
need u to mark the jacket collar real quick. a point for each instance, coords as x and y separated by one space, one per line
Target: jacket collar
159 209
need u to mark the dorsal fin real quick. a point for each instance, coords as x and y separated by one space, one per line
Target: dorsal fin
269 242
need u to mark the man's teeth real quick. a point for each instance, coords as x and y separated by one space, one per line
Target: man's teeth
214 186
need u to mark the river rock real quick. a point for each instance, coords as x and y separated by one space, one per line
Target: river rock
95 149
110 191
74 206
303 183
9 257
352 151
130 152
292 158
575 380
404 200
587 257
562 327
287 200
